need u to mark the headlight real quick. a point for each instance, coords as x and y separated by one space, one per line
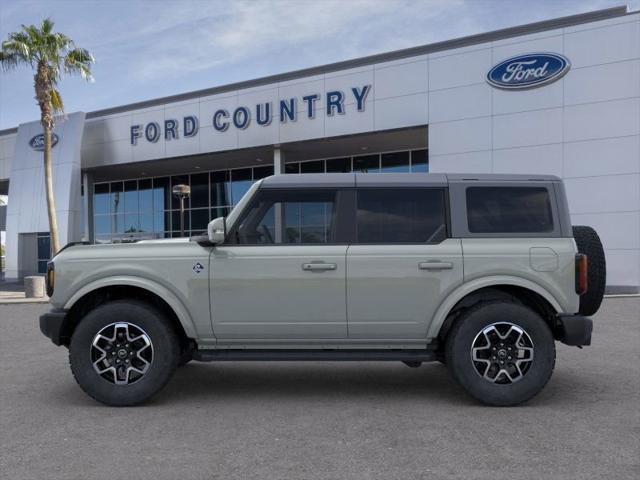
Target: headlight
50 279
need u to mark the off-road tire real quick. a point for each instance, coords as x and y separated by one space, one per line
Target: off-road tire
588 242
165 344
459 356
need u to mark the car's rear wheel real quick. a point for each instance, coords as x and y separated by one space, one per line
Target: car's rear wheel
123 352
501 353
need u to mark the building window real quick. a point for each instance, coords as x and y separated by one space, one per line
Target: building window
130 210
367 164
414 161
419 161
44 251
339 165
396 162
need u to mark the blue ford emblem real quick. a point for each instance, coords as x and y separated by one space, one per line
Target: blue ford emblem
528 71
37 142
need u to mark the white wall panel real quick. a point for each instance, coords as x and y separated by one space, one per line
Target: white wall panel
617 230
212 140
255 134
94 132
5 168
118 152
614 193
539 159
548 96
401 61
460 136
7 146
93 155
403 79
27 209
602 82
456 70
301 89
399 112
459 103
527 128
345 83
607 156
117 127
546 42
623 267
214 103
603 45
183 145
470 162
601 120
304 128
351 122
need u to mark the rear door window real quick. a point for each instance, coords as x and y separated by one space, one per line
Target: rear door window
509 210
401 215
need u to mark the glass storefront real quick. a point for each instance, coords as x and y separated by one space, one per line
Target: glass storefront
414 161
44 250
145 208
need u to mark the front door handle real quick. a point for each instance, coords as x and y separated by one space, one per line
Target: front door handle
435 265
318 267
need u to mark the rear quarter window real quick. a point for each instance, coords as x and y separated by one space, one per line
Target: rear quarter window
509 210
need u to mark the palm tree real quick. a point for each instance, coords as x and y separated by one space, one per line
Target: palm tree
49 54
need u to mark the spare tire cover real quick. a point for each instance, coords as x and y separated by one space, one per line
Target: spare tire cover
588 242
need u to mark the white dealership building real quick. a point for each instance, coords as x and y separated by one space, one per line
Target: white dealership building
558 97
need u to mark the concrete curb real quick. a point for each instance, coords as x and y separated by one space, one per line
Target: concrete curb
13 301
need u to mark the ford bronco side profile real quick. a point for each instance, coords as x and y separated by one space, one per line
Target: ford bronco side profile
481 272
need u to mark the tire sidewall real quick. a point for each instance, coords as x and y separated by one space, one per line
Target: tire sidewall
165 352
459 359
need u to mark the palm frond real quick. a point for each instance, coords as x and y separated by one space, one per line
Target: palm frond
9 61
56 101
17 50
47 26
79 61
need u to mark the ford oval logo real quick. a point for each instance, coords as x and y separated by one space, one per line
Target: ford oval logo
37 142
528 71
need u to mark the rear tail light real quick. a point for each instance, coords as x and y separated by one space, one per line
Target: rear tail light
50 278
581 273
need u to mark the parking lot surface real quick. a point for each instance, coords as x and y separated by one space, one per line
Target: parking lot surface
361 420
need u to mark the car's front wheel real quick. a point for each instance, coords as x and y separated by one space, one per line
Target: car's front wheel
501 353
123 352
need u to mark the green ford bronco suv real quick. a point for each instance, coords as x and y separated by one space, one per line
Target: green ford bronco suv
480 272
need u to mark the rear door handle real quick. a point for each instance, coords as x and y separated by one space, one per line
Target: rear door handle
435 265
319 267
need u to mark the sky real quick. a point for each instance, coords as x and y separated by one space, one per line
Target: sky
150 49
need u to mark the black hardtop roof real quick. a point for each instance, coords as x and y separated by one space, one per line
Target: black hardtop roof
345 180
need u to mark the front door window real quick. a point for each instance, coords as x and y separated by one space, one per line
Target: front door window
288 217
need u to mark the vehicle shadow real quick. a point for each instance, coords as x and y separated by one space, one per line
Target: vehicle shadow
286 380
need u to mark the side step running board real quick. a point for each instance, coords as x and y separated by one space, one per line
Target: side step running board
423 355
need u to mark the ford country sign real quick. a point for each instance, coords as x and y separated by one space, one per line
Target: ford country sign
528 71
37 142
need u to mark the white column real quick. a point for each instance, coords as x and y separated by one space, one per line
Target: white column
278 161
278 169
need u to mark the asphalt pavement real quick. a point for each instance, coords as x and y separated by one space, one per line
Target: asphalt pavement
326 420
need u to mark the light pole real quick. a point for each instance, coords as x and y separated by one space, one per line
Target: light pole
182 192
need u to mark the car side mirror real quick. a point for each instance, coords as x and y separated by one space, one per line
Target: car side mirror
217 230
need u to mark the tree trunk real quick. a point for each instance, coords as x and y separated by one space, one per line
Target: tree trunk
51 201
43 86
